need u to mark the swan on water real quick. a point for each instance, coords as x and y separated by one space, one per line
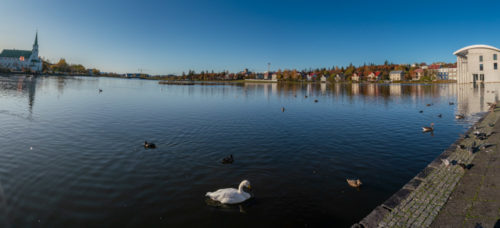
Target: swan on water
231 195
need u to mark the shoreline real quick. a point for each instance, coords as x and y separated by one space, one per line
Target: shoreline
428 191
243 81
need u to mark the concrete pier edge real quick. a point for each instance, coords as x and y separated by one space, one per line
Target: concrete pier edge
374 218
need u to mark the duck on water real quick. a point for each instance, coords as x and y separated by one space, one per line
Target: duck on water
228 160
149 145
428 129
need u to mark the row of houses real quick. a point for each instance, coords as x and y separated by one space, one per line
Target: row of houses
436 71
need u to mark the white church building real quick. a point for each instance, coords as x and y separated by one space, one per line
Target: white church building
478 63
22 60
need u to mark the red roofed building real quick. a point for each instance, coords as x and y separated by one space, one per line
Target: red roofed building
434 67
373 76
417 74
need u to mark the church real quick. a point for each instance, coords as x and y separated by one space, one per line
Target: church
22 60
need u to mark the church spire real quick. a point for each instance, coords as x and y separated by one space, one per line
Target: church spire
36 38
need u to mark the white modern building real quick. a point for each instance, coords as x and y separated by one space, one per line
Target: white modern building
447 73
22 60
478 63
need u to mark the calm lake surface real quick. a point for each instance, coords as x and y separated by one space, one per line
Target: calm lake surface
71 156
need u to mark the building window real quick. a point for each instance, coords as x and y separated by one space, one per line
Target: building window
481 77
480 58
494 56
495 66
480 67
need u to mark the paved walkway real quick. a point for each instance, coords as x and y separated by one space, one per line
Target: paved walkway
450 196
475 202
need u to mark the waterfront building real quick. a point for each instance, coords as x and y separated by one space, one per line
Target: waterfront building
373 76
22 60
478 63
340 77
396 75
442 73
452 73
323 79
417 74
355 77
447 73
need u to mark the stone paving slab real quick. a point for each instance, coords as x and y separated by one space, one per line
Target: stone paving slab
449 196
476 201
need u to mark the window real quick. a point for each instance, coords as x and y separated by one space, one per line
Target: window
480 67
495 66
494 56
480 58
481 77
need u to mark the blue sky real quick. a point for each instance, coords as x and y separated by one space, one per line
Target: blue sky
165 37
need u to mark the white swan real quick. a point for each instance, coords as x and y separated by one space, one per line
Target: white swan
231 195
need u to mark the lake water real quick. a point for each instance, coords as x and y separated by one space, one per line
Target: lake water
71 156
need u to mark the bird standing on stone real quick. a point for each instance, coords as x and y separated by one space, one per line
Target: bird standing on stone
462 165
446 162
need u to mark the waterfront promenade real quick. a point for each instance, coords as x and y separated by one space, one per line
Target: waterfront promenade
450 196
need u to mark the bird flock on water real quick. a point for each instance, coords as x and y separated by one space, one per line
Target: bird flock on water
239 195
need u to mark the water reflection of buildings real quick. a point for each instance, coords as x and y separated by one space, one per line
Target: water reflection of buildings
268 89
473 98
395 90
23 85
414 91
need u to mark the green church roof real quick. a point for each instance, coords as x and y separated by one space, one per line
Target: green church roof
15 53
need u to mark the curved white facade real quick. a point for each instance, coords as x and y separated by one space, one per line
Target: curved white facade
477 64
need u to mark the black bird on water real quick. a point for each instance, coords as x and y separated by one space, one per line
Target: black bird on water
149 145
228 160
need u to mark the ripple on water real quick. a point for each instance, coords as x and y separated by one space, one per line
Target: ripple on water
89 168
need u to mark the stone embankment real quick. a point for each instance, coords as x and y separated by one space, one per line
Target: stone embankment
444 195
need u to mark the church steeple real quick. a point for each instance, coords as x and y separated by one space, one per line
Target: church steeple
36 39
34 52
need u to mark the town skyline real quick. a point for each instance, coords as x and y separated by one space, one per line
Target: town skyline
234 36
